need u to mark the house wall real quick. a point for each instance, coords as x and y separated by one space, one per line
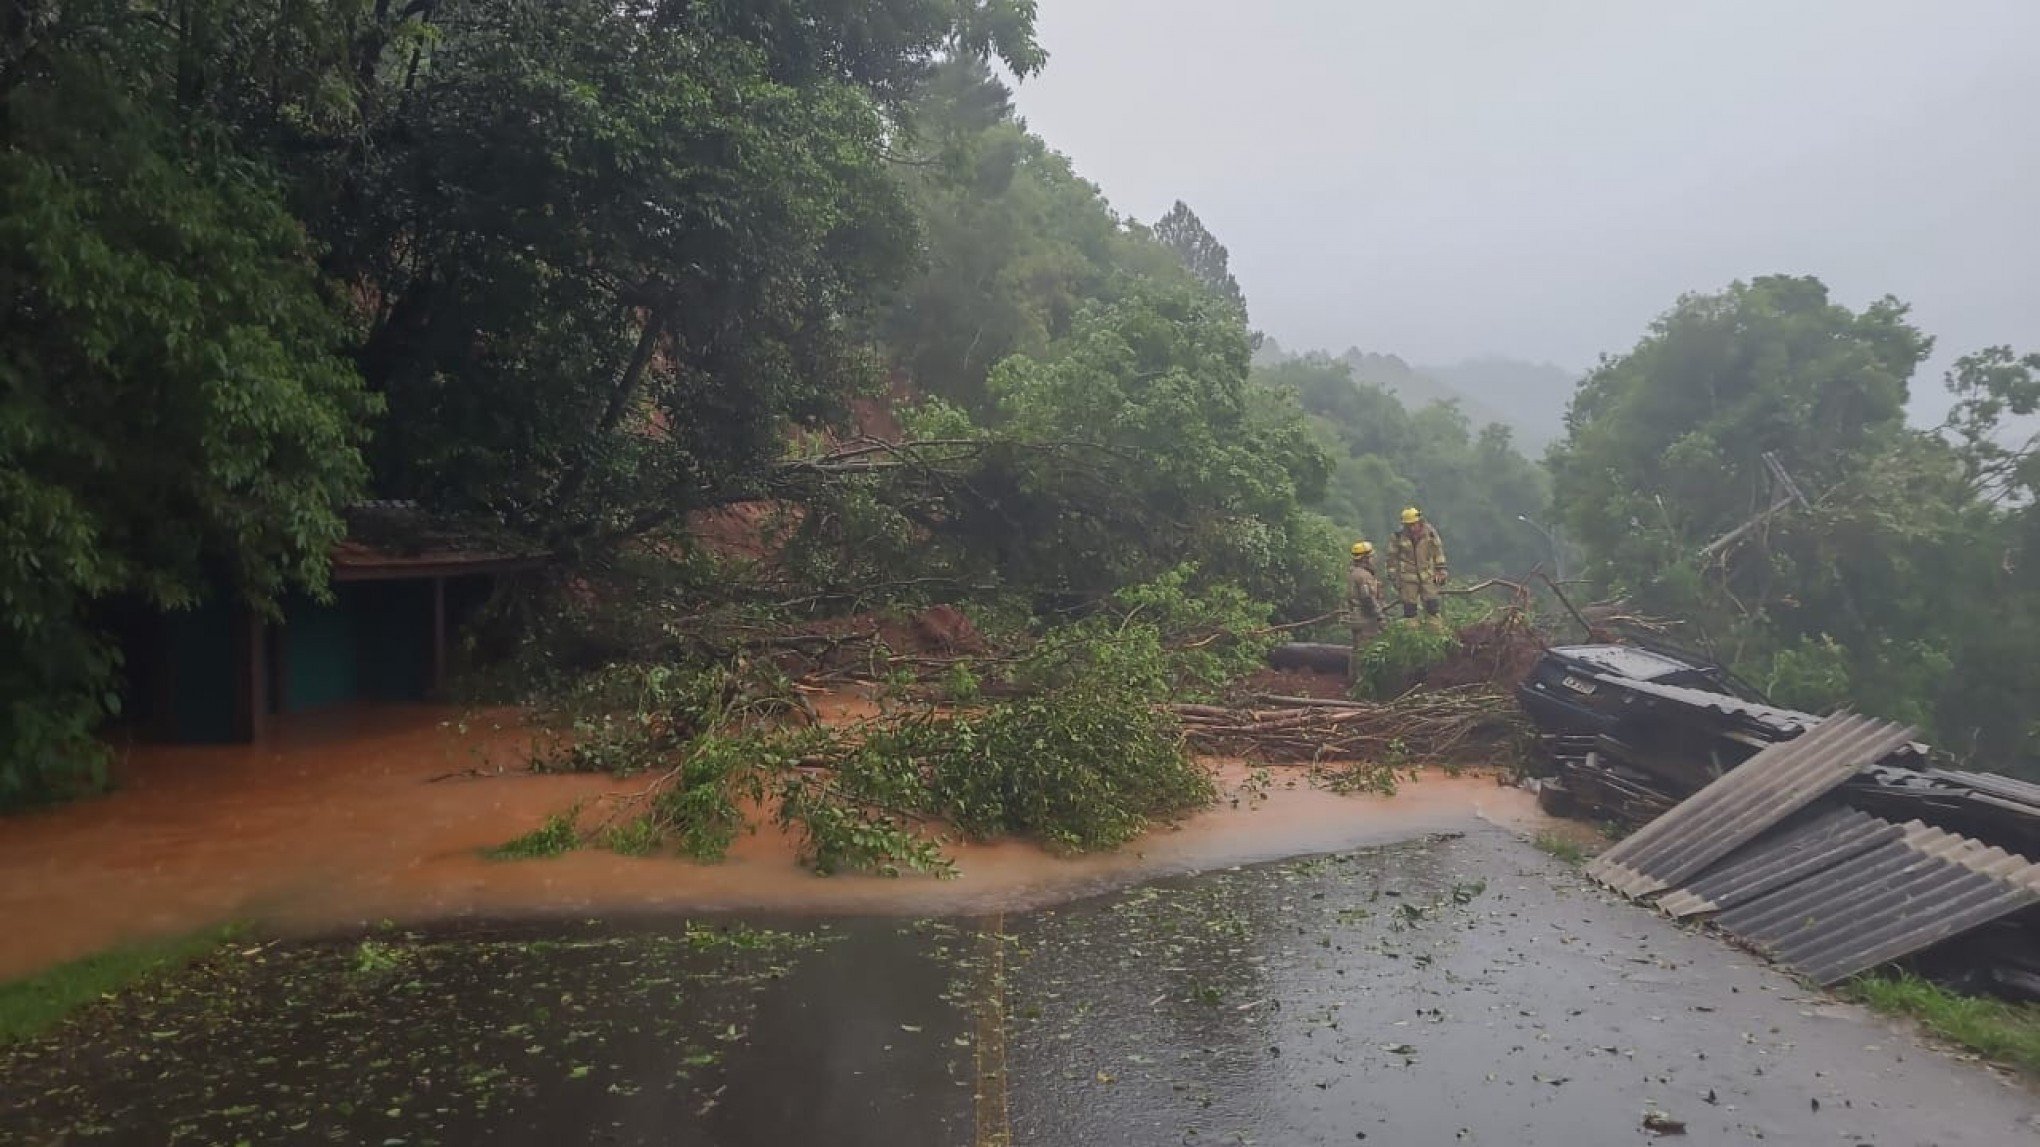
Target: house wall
209 675
393 638
373 642
318 658
196 700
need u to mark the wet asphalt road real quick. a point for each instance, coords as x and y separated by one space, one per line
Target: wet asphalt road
1465 990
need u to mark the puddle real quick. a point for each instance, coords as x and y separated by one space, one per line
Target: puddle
353 819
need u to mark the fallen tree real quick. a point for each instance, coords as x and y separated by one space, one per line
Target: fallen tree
1467 725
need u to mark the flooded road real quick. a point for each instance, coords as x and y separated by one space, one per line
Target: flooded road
352 818
1457 989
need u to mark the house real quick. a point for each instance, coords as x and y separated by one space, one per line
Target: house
402 585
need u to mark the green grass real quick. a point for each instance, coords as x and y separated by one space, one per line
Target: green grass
31 1006
553 838
1563 847
2007 1033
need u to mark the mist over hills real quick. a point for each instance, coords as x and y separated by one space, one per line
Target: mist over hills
1528 397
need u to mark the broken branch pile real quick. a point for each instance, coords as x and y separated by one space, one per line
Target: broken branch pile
1449 726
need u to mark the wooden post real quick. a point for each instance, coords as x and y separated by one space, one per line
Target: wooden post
438 637
251 676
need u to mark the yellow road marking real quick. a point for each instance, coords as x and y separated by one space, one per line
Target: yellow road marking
994 1121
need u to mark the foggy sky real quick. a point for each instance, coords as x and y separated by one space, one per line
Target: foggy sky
1539 178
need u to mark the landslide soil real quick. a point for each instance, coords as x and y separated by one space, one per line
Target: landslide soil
362 816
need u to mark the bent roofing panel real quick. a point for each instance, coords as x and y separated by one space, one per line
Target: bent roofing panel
1992 784
1779 781
1907 893
1788 857
1786 722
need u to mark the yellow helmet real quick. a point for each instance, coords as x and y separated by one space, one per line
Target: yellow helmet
1411 516
1362 549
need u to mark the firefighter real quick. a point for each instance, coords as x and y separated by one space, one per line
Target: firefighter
1416 560
1363 602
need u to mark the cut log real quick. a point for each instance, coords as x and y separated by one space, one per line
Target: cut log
1317 657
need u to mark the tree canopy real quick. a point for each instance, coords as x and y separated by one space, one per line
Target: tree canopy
587 263
1200 252
1748 468
1473 483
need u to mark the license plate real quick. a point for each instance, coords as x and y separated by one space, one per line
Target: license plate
1576 684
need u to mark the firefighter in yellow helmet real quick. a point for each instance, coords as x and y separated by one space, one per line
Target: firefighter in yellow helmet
1416 563
1364 611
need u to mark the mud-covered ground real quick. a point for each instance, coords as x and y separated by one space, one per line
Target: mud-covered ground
357 816
1454 990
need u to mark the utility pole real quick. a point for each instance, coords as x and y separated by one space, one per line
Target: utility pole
1785 493
1557 551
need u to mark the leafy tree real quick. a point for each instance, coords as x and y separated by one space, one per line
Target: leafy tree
173 405
1474 485
1183 233
1015 244
614 252
594 259
1666 444
1194 462
1990 386
1897 586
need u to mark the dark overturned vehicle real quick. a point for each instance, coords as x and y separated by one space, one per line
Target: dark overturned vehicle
1566 690
1841 852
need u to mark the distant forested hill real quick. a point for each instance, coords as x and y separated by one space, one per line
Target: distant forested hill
1528 398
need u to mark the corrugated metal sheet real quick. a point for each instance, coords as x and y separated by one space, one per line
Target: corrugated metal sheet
1992 784
1780 859
1784 722
1905 894
1779 781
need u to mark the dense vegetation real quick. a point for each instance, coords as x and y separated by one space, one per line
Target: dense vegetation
1891 572
582 271
576 272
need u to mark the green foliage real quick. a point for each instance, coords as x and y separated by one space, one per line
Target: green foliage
556 837
844 830
960 685
2005 1032
1473 483
594 259
1082 768
1106 379
1085 761
174 411
1378 777
630 717
703 803
1156 640
374 959
1897 586
34 1004
639 836
1811 674
1665 443
1207 260
1016 242
1166 454
1395 661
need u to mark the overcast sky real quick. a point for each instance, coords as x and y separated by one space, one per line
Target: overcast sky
1539 178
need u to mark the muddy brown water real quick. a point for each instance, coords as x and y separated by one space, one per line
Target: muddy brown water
361 816
1456 989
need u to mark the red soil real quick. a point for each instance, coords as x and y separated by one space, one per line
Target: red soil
352 818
